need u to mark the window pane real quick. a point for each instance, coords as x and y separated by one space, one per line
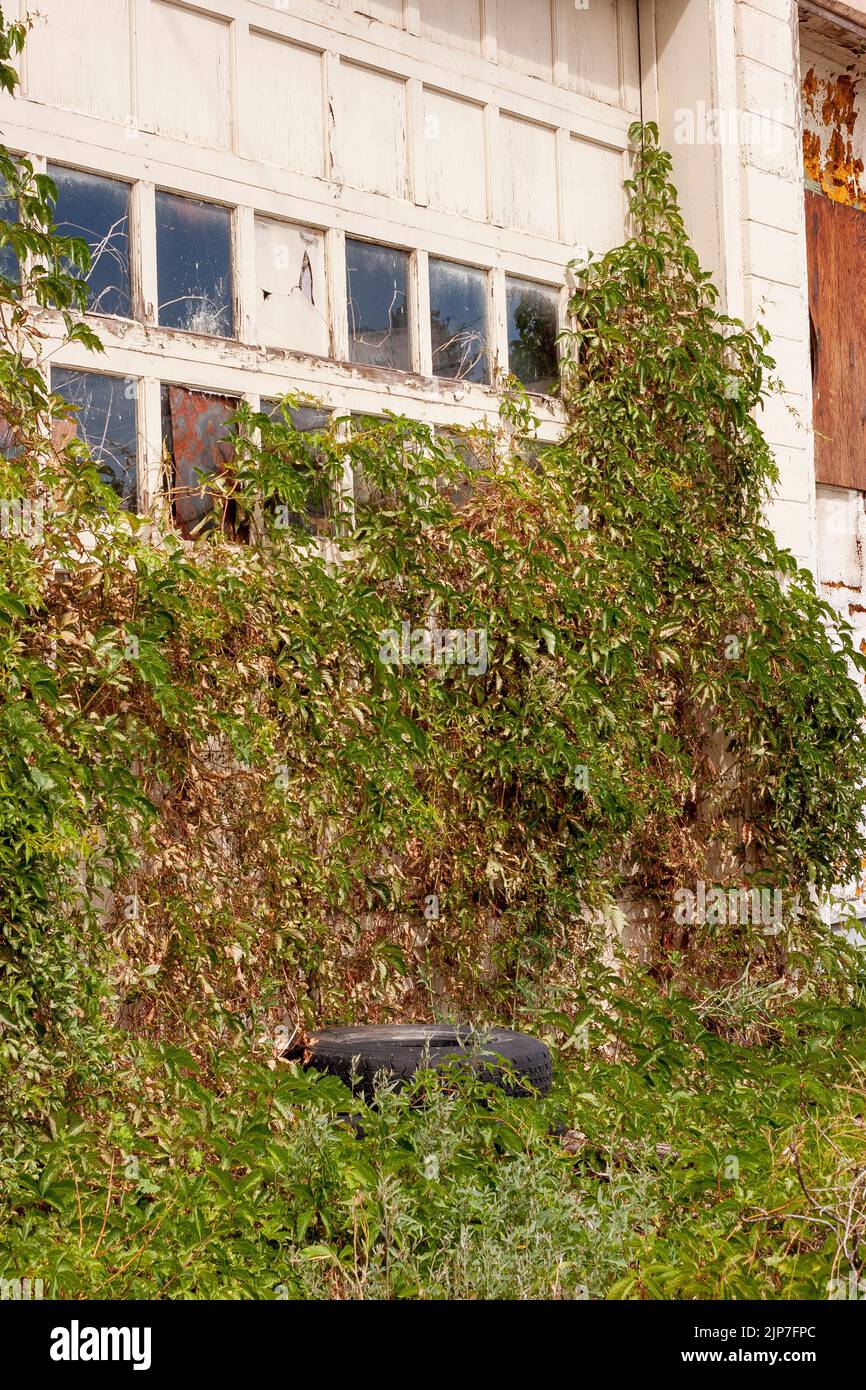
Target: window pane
291 300
306 419
196 430
193 253
378 315
533 323
458 321
97 211
106 421
476 453
365 428
8 213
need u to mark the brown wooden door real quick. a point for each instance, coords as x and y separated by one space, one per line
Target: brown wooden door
836 250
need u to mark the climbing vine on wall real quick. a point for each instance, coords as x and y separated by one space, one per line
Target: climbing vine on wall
401 755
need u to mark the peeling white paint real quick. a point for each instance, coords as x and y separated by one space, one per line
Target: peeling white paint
373 126
291 294
842 554
282 117
491 135
185 75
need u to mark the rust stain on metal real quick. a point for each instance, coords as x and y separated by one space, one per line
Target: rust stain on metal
199 425
829 157
812 155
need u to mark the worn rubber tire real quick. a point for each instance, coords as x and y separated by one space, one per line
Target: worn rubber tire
514 1062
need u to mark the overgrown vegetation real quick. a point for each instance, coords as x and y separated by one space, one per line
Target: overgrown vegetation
228 811
680 1165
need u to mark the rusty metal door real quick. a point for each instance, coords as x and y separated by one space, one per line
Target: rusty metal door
201 448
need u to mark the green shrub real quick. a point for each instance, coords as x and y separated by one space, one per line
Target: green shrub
668 1163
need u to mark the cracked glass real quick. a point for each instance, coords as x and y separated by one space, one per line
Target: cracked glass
458 321
106 422
376 284
96 210
194 266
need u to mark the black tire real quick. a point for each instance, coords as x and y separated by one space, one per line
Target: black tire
515 1063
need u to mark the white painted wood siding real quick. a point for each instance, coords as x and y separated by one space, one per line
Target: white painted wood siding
488 132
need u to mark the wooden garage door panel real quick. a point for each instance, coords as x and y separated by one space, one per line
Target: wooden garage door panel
836 248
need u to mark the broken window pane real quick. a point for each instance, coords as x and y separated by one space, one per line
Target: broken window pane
319 510
106 421
290 279
197 429
194 272
376 281
97 211
458 321
533 324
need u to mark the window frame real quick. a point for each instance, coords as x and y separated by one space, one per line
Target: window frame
558 293
236 267
489 321
412 307
136 298
139 472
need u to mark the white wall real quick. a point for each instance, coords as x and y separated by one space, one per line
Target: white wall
743 197
489 132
